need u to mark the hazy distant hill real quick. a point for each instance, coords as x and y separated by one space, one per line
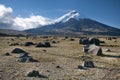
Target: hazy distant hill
8 32
76 26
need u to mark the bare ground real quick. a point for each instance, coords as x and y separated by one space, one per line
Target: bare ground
64 53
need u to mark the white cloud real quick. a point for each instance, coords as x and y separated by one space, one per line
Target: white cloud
19 23
7 21
31 22
5 14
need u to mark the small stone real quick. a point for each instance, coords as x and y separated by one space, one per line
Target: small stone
80 67
40 45
47 71
29 43
7 54
107 50
72 39
58 67
88 64
33 73
44 50
47 44
54 42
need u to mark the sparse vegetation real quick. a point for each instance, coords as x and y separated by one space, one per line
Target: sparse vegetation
61 61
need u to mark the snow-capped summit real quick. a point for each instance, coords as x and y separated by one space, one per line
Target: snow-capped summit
69 15
8 21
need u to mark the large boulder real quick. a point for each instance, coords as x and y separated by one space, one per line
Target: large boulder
18 50
92 49
94 41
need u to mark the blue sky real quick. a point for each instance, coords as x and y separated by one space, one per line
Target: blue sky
105 11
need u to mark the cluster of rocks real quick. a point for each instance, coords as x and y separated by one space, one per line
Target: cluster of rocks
86 41
91 46
23 55
110 38
14 44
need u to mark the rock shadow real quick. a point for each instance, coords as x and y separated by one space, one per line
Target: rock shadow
110 56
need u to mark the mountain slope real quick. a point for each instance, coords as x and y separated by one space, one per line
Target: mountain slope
74 26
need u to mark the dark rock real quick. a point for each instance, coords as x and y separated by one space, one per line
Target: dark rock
115 41
29 43
114 37
94 41
47 71
14 44
54 42
40 45
24 59
18 50
44 50
58 67
47 44
33 73
32 60
23 55
7 54
102 41
88 64
66 37
109 38
108 50
72 39
92 49
45 37
80 67
84 41
27 59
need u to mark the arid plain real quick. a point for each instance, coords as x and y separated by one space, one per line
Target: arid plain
60 61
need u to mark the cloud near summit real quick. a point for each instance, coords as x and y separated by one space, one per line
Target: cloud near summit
7 21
